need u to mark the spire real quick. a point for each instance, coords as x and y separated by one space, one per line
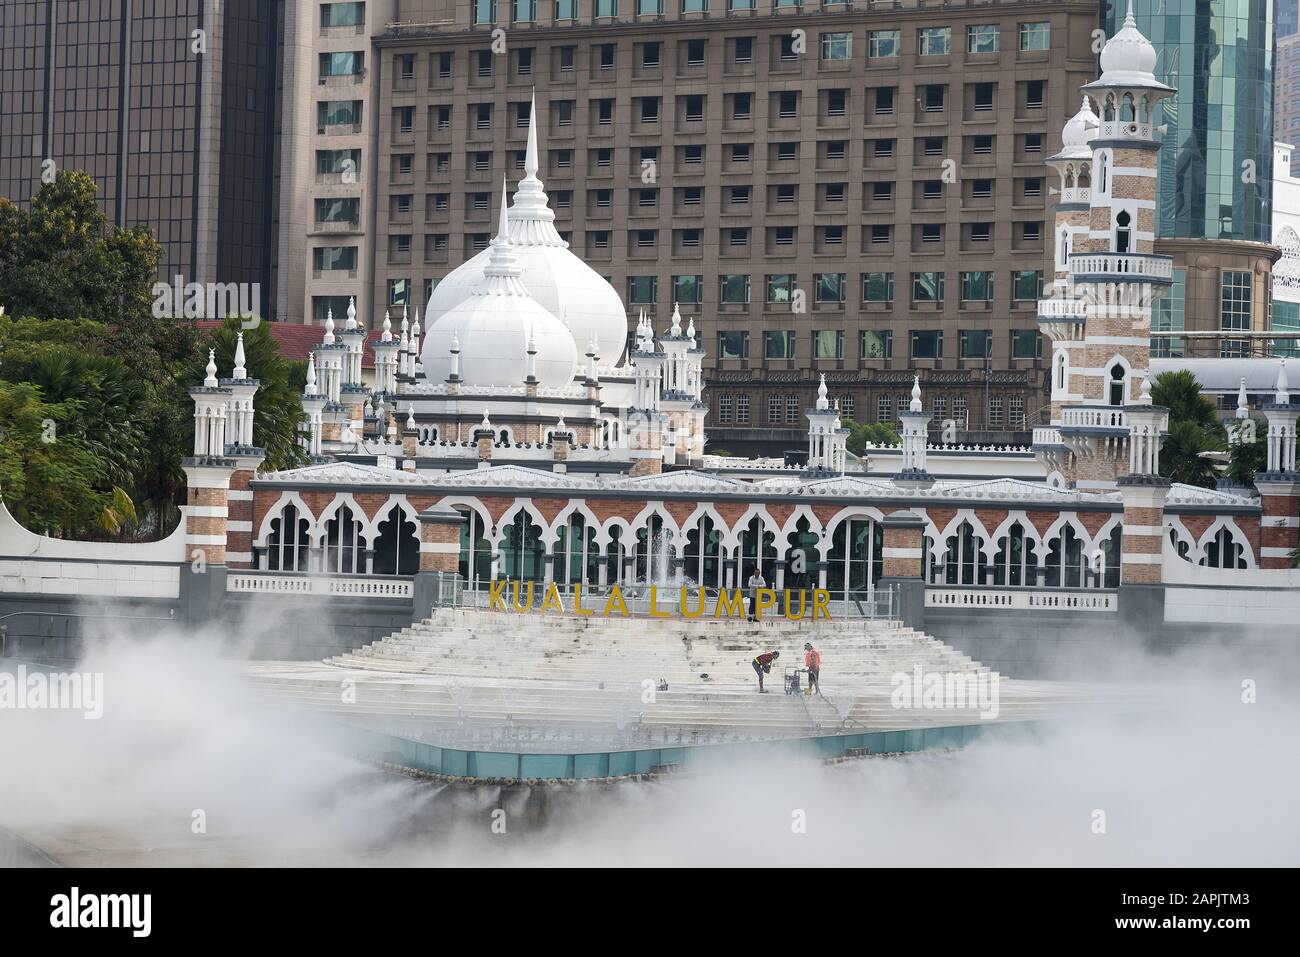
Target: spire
211 381
1283 396
532 222
352 314
502 271
1243 410
240 372
915 405
415 328
676 328
311 375
388 328
690 330
1146 390
328 338
822 403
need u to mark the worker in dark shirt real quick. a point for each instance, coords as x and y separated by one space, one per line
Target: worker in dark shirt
763 665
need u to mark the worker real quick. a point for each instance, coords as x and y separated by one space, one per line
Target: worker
812 660
763 665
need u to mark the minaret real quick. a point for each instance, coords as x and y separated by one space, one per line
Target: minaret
827 439
1112 274
915 424
247 457
313 404
207 475
1144 492
1279 485
386 358
532 222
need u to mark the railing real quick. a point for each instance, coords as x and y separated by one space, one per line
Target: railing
1137 265
1062 309
1094 417
1125 129
1022 600
288 583
1047 435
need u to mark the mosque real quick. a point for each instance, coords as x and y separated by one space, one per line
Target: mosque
508 436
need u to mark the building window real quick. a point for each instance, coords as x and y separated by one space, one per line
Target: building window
877 344
1036 36
399 292
884 409
643 290
567 10
775 404
932 95
484 11
829 287
778 345
878 287
976 344
607 8
726 409
733 344
742 410
934 41
1026 344
885 101
688 289
837 46
1168 316
982 38
1235 310
791 409
781 287
828 344
1034 94
734 289
977 286
995 412
883 43
927 344
1027 285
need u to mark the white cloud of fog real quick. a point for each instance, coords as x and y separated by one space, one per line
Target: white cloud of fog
1210 782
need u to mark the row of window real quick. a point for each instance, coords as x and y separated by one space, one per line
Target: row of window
878 287
829 344
1002 410
930 41
833 104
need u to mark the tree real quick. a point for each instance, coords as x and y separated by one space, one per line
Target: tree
1193 428
53 481
63 259
278 416
860 435
1245 459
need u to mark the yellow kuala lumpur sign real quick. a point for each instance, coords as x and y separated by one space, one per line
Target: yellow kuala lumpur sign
515 596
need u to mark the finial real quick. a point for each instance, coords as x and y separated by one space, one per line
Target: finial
415 325
532 340
328 338
676 328
486 423
560 427
915 405
1146 389
503 224
211 381
1243 410
530 152
455 343
388 328
690 329
1283 396
352 314
410 416
822 404
311 374
240 372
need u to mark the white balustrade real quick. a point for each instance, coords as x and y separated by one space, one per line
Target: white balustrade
271 583
1094 417
1021 600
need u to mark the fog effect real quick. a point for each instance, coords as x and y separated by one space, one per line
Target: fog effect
185 744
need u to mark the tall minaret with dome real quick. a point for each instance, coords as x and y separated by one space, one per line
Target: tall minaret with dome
1107 275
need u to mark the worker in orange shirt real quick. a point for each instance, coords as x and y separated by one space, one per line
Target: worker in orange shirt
812 660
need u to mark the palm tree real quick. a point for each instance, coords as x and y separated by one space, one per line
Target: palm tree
1193 428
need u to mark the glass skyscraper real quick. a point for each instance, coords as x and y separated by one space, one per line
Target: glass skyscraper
1216 168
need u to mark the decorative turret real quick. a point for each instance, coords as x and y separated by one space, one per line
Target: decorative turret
239 411
386 358
313 405
915 422
827 439
1281 414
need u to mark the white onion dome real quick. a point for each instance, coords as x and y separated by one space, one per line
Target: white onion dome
1080 128
561 282
494 325
1128 60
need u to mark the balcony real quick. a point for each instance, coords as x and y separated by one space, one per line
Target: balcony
1047 435
1094 417
1062 310
1121 267
1125 130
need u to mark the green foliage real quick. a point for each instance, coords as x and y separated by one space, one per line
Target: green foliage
724 453
63 259
1245 459
1193 428
860 435
278 416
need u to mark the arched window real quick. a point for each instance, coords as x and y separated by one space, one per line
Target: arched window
1065 559
654 552
1063 248
345 552
287 543
802 556
757 549
1101 172
397 549
856 557
704 561
1117 384
522 551
576 554
1060 370
1224 551
1123 232
962 564
475 549
1015 562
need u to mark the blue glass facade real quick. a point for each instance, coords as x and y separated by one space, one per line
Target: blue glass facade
1216 167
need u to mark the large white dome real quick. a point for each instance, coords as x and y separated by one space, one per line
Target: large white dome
561 282
1128 51
495 326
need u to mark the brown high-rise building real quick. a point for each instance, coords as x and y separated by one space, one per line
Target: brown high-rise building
171 107
843 188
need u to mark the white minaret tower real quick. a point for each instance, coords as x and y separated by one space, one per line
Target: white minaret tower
827 439
915 424
1282 414
313 404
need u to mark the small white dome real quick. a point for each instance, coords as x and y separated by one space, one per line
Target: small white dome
1080 128
561 282
1128 51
